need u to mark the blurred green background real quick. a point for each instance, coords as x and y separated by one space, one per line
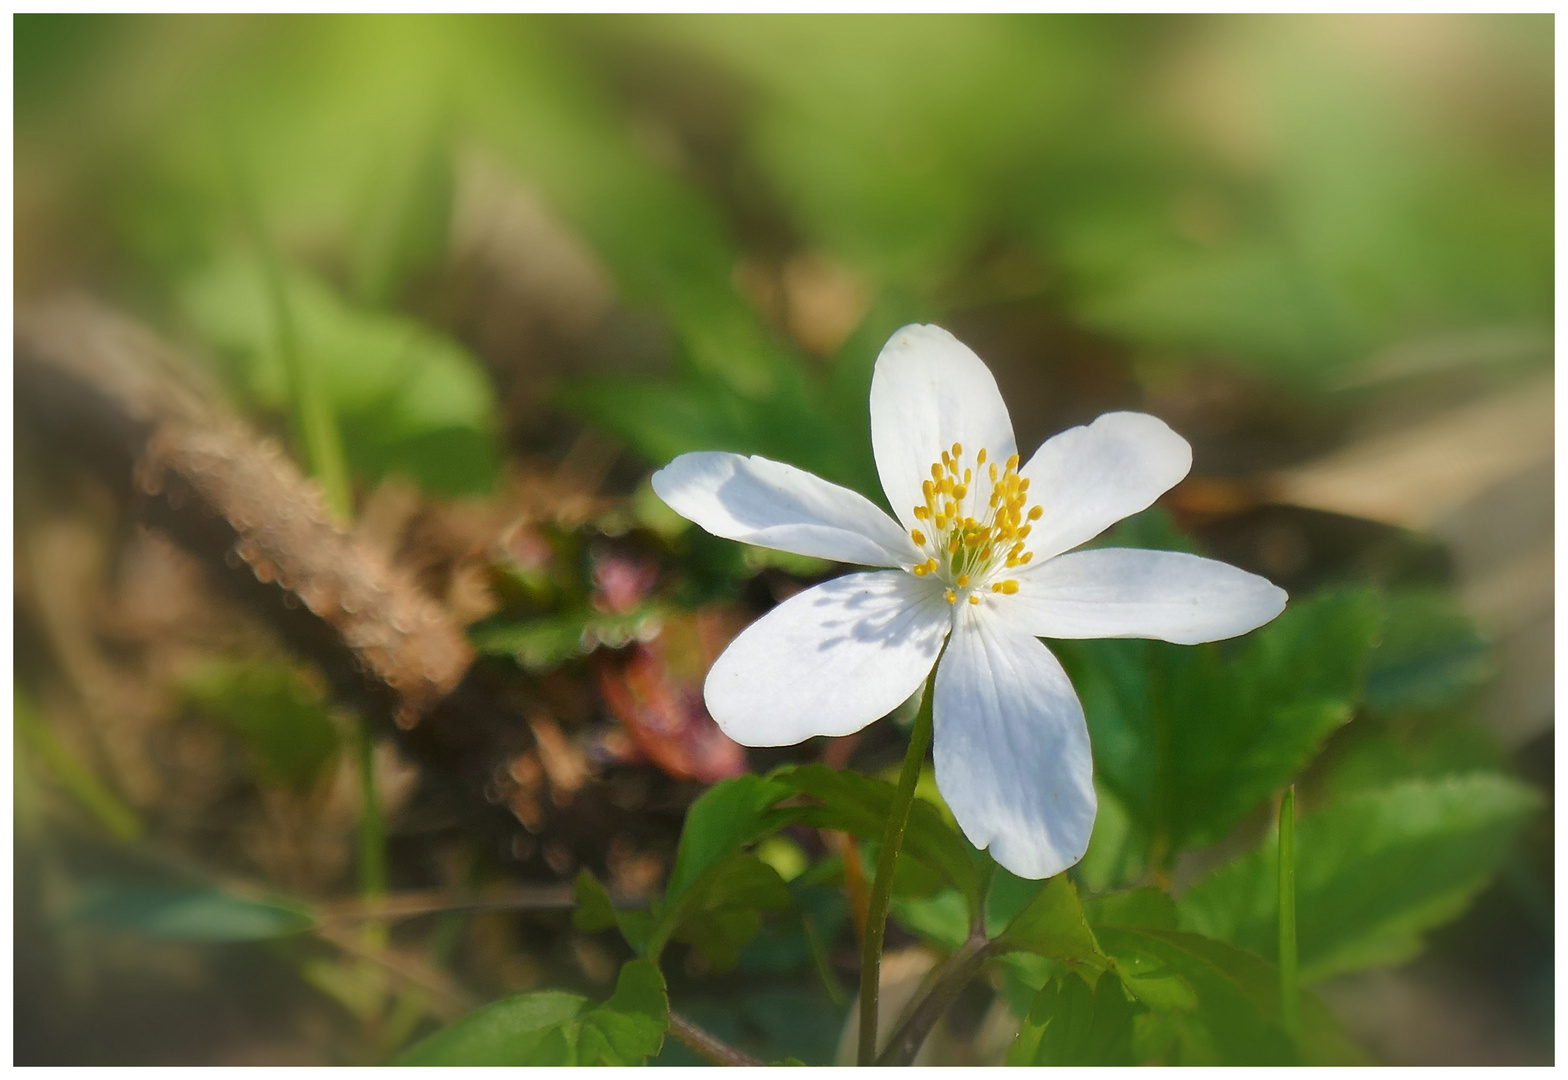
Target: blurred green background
1321 247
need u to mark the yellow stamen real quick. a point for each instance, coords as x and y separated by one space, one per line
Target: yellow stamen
952 597
936 472
1035 514
958 450
974 599
922 570
963 579
917 536
922 512
980 457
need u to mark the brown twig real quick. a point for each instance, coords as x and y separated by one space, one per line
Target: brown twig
707 1046
448 1000
412 905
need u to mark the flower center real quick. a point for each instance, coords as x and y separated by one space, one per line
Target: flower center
970 543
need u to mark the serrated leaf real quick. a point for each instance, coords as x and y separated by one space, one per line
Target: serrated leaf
629 1028
1373 873
1192 738
170 913
1069 1024
1223 1003
1052 925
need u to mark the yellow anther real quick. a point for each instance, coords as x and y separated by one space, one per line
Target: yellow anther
963 579
1036 513
940 523
928 489
958 449
974 599
1012 561
1012 463
1009 586
959 491
980 457
993 472
922 512
1026 557
955 543
997 587
922 570
936 472
1023 533
969 476
952 597
952 509
918 537
1023 485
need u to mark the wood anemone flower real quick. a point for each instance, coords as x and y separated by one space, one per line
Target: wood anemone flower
981 559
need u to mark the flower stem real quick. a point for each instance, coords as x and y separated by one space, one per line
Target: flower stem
957 972
882 884
1289 992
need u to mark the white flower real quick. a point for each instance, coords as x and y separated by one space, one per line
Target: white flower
981 560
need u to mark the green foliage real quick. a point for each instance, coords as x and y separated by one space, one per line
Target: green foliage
1430 655
1052 925
408 400
1069 1024
280 717
545 642
859 805
1213 1004
722 911
186 913
554 1028
595 912
1373 873
728 816
1192 738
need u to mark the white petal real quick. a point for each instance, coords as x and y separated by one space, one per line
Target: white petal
1089 478
773 505
1125 592
829 660
1012 749
928 392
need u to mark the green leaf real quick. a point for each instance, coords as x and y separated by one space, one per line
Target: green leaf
407 399
722 911
512 1031
629 1028
1148 907
282 719
1192 738
728 816
1052 925
555 1028
1431 654
595 912
1069 1024
859 805
171 913
1222 1004
1373 873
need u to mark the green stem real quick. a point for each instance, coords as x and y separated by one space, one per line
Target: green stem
1289 991
882 884
314 423
372 832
